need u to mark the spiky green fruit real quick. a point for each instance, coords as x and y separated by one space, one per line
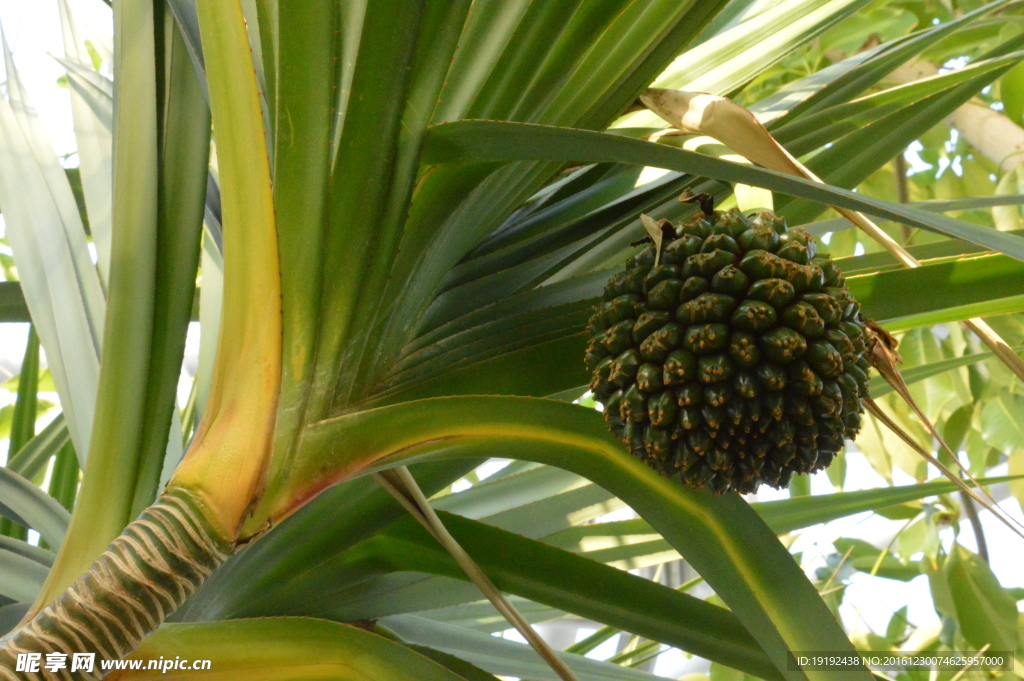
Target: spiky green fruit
739 359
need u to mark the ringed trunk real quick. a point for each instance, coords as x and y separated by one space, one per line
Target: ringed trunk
145 575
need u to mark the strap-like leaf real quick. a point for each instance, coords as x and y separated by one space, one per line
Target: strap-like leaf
717 535
481 141
59 281
499 656
20 577
28 505
36 453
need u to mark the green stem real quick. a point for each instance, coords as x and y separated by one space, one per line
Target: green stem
145 575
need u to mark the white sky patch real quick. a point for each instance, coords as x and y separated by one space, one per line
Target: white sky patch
33 31
649 174
913 157
461 485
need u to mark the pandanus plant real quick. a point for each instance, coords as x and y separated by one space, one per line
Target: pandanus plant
416 206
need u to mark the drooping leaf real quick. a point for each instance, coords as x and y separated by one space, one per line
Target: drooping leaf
527 568
58 279
481 141
20 577
503 657
28 505
715 534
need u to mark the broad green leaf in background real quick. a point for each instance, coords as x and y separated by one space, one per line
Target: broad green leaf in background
1011 91
987 613
939 288
1002 422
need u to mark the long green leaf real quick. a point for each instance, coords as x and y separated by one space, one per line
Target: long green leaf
64 478
93 121
786 515
490 497
20 577
33 457
718 535
184 155
305 86
537 37
490 141
58 279
23 548
23 424
528 569
499 656
567 582
436 46
32 507
936 287
935 205
105 500
810 132
733 58
23 420
851 159
353 242
585 82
